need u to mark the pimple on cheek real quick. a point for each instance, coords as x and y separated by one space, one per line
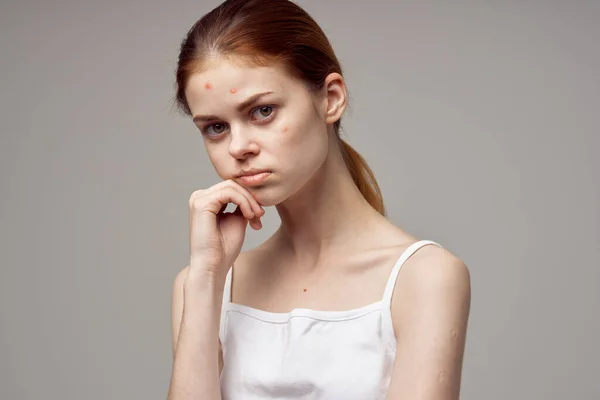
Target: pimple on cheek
208 85
284 129
233 90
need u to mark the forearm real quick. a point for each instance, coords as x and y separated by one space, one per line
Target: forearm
196 362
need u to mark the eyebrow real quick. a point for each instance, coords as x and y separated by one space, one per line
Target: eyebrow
245 104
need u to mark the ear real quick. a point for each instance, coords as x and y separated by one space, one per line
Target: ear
336 97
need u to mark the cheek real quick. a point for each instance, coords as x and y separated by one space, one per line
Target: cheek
301 145
217 159
298 131
287 138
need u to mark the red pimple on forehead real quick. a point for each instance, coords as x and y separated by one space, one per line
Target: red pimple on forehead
208 85
233 90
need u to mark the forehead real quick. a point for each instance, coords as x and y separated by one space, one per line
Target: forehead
224 81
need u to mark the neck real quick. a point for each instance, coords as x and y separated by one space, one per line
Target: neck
328 215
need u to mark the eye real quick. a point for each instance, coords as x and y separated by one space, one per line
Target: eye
263 113
217 129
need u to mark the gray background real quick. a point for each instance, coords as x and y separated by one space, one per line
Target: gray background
480 120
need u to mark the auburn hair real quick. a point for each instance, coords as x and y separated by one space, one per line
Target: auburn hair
264 33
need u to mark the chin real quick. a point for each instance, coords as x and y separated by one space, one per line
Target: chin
264 196
268 195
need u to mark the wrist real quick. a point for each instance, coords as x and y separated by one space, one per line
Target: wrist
202 278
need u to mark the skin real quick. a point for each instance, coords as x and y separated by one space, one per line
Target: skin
332 251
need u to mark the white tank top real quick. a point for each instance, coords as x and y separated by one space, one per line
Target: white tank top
309 354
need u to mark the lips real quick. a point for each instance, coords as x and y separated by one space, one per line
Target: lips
255 179
252 172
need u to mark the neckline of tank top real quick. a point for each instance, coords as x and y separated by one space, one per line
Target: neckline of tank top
326 315
322 315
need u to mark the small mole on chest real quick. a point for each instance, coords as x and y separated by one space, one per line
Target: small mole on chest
304 290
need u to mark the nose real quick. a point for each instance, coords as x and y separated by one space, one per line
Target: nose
242 143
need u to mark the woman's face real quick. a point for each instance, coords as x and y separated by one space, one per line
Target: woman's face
260 118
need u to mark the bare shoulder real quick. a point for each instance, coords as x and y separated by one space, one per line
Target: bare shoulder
430 312
433 265
432 277
250 273
247 261
255 257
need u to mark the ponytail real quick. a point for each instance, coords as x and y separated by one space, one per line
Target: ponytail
363 176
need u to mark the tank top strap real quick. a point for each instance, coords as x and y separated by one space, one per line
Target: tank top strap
224 304
391 283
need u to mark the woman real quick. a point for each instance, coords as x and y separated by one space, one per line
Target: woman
322 309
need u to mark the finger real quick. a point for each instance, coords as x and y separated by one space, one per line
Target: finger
256 207
258 210
229 194
255 223
217 198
